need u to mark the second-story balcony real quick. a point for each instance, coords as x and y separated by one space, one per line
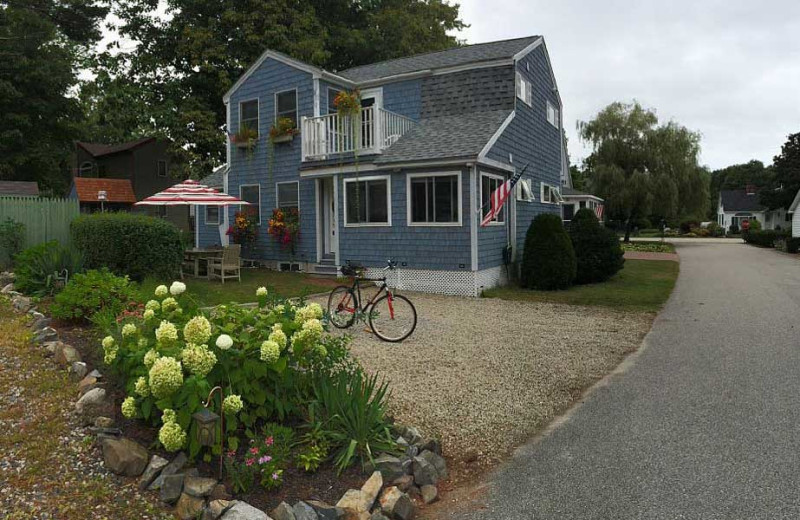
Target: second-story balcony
374 130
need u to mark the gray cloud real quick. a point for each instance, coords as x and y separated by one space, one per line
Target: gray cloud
727 69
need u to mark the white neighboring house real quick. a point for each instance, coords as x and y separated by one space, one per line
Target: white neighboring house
795 215
575 200
736 206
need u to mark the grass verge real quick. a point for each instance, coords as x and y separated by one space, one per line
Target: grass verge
649 247
643 285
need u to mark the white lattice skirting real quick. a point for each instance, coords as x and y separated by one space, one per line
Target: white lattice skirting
457 283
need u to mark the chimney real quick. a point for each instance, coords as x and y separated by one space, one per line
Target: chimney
750 189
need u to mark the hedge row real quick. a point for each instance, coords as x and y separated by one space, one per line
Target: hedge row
128 244
764 238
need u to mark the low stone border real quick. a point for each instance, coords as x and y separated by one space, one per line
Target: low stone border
398 484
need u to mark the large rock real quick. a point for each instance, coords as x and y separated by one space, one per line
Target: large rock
219 493
172 468
78 370
325 511
66 355
40 321
124 456
171 488
189 507
429 493
378 515
50 347
244 511
87 384
397 505
7 288
215 509
372 488
404 483
303 511
199 486
22 303
44 335
390 467
7 277
433 445
437 461
92 404
283 512
152 470
355 500
424 472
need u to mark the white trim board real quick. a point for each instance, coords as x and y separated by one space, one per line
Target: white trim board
493 140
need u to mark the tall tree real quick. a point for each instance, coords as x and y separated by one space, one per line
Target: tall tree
786 175
44 42
188 57
642 168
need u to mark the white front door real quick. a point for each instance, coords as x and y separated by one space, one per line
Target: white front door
328 214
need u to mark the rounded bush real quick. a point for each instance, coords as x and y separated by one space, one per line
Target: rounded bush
597 250
128 244
91 292
548 261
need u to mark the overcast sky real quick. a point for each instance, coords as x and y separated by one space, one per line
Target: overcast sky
727 69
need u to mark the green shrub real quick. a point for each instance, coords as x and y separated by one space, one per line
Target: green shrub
734 229
763 238
548 261
686 226
792 245
129 244
12 237
90 292
39 267
597 250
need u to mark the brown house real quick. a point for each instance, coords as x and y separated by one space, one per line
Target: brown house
145 163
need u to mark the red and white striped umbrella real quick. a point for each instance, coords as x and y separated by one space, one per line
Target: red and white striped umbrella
190 193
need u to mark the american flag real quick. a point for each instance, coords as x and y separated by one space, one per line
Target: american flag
499 196
598 210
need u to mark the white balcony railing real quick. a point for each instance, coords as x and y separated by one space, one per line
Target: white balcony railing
375 130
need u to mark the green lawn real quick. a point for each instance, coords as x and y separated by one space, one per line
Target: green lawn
209 293
643 285
649 247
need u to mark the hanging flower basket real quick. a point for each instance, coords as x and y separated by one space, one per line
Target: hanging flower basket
348 103
246 138
283 131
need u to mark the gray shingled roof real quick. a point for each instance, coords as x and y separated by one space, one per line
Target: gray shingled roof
739 200
214 179
19 188
437 60
447 137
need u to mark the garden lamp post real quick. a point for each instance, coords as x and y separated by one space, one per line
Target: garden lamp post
102 196
206 421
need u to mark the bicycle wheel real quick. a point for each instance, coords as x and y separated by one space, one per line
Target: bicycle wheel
393 318
342 307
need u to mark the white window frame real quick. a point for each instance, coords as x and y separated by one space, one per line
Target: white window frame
277 194
158 168
495 221
331 109
388 179
258 111
296 104
553 189
523 86
555 120
260 216
524 190
411 176
219 215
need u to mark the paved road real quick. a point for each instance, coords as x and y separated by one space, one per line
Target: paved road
705 422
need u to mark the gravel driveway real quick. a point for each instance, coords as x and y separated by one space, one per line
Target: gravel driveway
486 374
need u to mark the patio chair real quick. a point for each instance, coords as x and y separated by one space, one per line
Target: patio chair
228 266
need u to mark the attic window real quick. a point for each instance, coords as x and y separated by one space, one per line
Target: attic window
286 105
524 89
552 115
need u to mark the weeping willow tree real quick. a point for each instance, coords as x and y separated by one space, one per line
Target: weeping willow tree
641 168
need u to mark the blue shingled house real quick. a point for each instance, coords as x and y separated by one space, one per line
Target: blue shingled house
436 134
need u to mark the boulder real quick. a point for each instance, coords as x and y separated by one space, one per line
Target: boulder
303 511
390 467
46 334
219 493
124 456
22 303
354 500
50 347
7 288
92 404
424 472
404 483
152 470
244 511
78 369
372 488
429 493
189 507
215 509
172 468
283 512
397 505
87 384
437 461
199 486
7 277
378 515
410 434
40 321
433 445
325 511
171 488
104 423
66 355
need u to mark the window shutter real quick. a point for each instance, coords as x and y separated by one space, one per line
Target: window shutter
528 93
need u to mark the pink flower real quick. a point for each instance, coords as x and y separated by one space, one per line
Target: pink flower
275 476
231 454
249 462
264 459
254 451
270 441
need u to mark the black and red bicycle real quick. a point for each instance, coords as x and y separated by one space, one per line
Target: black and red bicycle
392 317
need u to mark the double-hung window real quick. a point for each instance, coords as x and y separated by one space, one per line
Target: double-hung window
367 201
552 114
251 193
286 105
332 93
489 184
248 115
288 195
434 199
550 194
524 89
